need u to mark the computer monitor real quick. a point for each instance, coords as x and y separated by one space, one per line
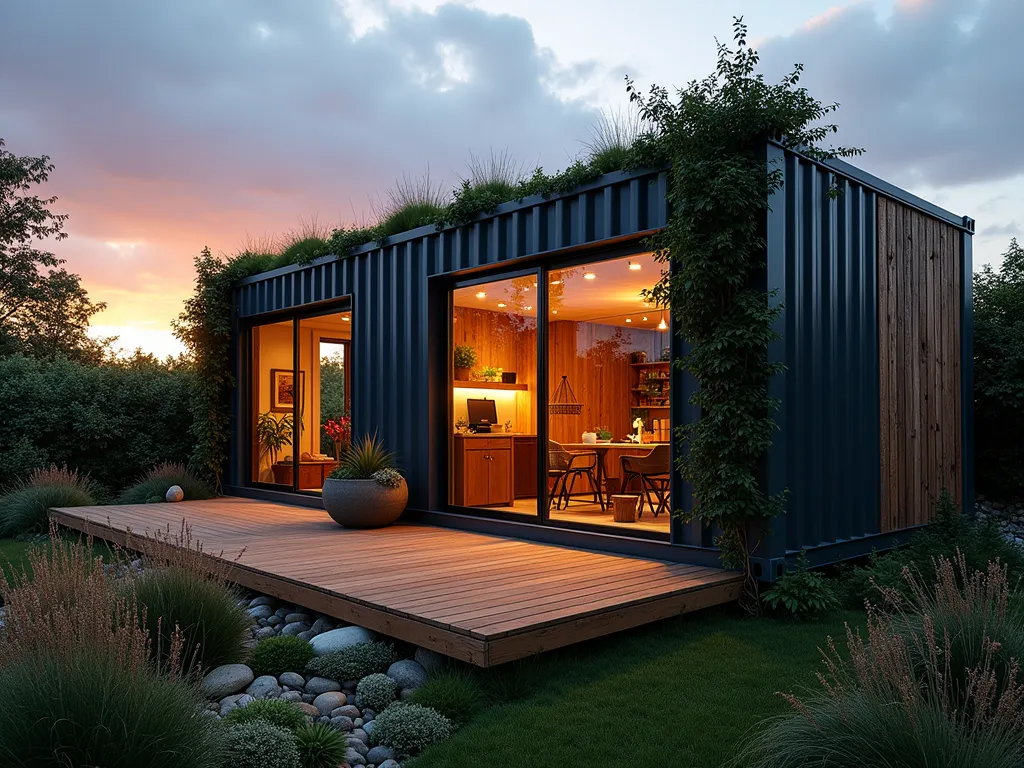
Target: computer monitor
481 411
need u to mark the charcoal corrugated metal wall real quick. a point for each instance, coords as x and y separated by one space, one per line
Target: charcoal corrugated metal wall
822 263
388 288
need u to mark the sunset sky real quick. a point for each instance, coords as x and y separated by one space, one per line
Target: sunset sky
175 125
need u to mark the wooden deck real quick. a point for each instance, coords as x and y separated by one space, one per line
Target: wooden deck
483 599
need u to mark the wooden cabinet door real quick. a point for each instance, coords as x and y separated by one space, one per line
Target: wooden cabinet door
524 464
500 476
474 479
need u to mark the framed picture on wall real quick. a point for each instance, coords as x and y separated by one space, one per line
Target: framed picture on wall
282 389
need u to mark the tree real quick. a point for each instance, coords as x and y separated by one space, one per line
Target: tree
999 375
44 310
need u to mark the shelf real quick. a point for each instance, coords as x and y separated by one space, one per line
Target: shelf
650 406
654 362
637 389
490 385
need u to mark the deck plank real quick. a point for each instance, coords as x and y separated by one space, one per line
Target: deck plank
479 598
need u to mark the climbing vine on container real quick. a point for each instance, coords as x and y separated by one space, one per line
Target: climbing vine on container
714 135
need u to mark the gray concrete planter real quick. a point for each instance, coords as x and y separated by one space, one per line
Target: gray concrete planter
364 503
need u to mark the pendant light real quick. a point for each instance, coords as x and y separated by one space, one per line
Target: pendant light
564 401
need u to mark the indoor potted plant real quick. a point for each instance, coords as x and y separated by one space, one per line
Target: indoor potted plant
340 432
273 434
365 491
604 435
491 373
464 358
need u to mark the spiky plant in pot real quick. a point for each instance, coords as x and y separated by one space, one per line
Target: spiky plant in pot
366 490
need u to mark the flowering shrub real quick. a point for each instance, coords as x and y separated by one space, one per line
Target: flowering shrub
376 691
340 432
408 728
389 478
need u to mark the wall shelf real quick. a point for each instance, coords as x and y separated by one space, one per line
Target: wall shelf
651 363
490 385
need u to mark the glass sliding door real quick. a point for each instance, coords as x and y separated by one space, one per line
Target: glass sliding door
608 429
494 403
272 378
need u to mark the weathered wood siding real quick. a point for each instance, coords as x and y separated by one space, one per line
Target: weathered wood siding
919 363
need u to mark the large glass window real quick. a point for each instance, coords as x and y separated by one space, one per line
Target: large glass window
300 413
608 392
494 397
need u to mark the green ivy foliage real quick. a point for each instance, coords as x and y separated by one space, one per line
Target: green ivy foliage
714 135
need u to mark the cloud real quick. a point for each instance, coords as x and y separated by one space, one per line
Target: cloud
179 124
933 92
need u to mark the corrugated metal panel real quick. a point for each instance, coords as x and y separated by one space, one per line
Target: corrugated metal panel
822 259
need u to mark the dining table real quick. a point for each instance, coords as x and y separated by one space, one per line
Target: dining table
601 449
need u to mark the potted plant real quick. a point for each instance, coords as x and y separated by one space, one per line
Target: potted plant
273 434
490 373
365 491
604 435
340 432
464 358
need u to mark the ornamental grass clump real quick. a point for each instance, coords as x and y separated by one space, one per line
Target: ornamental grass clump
354 662
258 744
368 459
156 482
320 746
181 589
26 507
454 693
931 684
409 728
277 655
376 691
283 714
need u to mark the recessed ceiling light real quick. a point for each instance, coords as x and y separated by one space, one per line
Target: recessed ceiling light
346 318
556 282
629 320
481 295
534 285
589 275
554 311
645 316
502 304
633 265
528 309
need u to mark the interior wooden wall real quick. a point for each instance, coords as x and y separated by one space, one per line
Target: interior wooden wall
919 359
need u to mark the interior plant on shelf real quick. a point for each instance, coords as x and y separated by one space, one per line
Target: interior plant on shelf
490 373
604 435
340 432
366 490
274 433
464 358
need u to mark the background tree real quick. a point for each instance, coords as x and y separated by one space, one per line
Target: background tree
44 310
999 375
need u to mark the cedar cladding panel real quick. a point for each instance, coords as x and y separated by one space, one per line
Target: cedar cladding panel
919 363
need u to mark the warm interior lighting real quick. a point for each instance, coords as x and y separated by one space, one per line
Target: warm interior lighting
346 318
629 320
634 265
528 309
481 295
662 326
645 318
589 276
556 282
502 305
554 311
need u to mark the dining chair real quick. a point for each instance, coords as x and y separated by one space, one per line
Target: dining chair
654 471
565 467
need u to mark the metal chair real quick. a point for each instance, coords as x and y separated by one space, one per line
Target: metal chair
655 473
565 467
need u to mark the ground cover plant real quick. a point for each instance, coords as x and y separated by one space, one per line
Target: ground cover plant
282 714
277 655
354 662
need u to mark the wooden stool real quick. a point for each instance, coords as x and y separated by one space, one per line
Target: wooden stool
624 508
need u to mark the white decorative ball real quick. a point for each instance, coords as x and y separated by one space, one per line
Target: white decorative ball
174 493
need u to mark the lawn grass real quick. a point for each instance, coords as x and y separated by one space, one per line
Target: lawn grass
14 552
679 693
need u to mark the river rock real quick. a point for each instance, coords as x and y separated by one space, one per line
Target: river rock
408 674
431 661
261 612
378 755
339 639
318 685
293 680
227 679
264 687
328 702
174 493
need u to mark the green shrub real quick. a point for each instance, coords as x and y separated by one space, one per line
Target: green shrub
283 714
156 482
354 662
89 709
802 593
376 691
110 422
258 744
456 694
408 728
206 610
277 655
26 508
320 746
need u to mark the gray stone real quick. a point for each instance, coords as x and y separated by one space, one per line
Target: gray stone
292 680
322 625
234 702
227 679
264 632
174 493
309 634
358 722
264 687
319 685
261 612
295 628
282 612
369 714
274 621
431 661
293 696
368 728
339 639
308 709
343 724
261 600
308 698
345 710
359 746
353 758
378 755
407 673
389 764
291 618
360 735
328 702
